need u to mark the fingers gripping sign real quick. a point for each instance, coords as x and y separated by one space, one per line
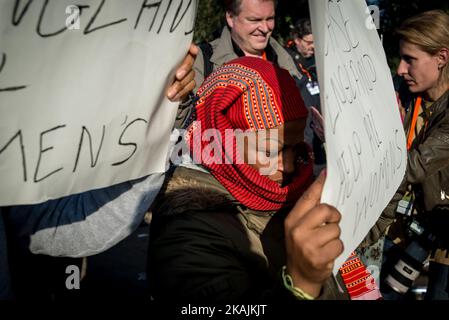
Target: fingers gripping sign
312 240
184 78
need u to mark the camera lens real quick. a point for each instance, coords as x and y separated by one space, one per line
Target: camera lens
408 268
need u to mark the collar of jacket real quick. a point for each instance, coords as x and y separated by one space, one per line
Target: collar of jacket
437 108
223 52
270 54
297 56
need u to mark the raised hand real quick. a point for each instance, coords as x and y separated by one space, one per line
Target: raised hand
312 236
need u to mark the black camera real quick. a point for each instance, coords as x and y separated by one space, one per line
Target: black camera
411 261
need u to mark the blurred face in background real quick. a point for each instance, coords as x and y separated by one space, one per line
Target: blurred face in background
305 46
252 27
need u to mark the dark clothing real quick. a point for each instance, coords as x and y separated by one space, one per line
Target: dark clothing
401 87
428 177
269 52
205 246
307 68
307 63
428 174
386 219
5 279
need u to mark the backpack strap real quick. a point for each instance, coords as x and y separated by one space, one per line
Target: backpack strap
207 51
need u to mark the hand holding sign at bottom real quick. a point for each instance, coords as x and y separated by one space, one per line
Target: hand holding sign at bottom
312 240
103 217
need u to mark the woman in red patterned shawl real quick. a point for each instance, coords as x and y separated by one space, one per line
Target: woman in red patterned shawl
245 221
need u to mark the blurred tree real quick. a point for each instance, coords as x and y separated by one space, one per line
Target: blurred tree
210 20
287 12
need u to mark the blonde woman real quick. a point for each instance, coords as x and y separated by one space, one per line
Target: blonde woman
424 52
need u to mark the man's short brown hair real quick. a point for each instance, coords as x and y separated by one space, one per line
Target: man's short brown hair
233 6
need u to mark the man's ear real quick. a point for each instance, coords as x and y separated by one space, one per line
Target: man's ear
443 57
229 19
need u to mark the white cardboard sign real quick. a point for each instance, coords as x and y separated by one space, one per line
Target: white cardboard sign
82 92
365 141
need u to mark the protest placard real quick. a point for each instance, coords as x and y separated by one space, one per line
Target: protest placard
82 92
